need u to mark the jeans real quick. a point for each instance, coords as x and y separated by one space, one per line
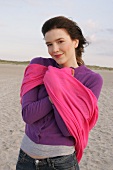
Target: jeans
67 162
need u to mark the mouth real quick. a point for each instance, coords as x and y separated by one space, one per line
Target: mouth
58 55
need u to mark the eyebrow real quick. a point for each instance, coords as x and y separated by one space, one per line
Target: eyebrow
55 40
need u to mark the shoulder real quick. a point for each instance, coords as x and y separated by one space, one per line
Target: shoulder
42 61
90 79
93 75
86 75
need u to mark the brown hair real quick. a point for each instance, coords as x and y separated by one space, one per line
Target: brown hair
72 29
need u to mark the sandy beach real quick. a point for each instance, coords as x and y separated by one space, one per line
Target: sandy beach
99 153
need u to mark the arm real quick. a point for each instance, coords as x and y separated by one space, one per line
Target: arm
61 123
33 109
35 103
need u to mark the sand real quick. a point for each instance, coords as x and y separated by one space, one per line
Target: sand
99 153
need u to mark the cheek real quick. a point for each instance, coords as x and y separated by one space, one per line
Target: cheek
67 47
49 50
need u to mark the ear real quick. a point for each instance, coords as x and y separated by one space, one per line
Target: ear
76 43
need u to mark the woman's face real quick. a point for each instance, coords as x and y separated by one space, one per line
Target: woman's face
61 47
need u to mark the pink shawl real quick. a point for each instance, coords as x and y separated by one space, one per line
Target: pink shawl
75 103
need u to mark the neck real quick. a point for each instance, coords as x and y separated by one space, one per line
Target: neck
73 64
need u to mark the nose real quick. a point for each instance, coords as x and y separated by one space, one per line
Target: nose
55 48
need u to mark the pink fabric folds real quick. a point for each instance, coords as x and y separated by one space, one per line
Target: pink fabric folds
33 76
75 103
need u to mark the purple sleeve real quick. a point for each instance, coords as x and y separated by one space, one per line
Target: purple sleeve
34 109
61 123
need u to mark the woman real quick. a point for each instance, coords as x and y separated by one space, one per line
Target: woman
56 109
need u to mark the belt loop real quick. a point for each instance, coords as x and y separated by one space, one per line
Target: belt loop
49 161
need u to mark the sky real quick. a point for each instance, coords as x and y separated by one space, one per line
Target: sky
21 21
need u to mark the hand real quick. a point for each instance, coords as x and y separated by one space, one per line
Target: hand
73 72
50 100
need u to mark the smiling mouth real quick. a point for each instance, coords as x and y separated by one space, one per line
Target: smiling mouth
58 56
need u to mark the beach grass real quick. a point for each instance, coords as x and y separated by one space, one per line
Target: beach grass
14 62
93 67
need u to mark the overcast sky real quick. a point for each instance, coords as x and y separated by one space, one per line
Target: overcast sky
21 20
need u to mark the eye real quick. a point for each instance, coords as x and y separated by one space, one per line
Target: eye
61 41
48 45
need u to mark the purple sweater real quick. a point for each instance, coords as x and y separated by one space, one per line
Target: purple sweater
43 123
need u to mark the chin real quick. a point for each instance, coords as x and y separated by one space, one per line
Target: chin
60 63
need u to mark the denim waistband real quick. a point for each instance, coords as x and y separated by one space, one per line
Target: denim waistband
59 162
23 154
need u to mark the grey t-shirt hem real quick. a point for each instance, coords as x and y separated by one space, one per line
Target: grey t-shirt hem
47 151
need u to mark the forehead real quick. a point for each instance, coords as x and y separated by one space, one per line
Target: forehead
56 33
